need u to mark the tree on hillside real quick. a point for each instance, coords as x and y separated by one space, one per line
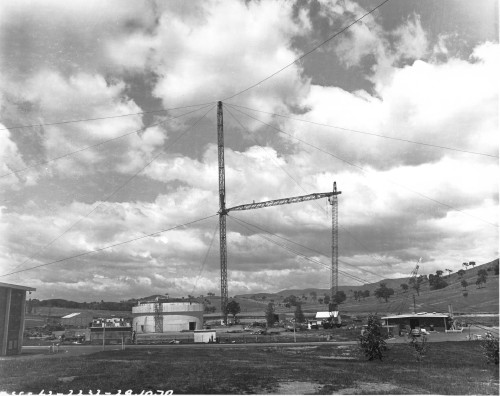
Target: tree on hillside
299 315
449 271
320 300
357 295
365 293
461 273
436 281
290 301
314 296
482 275
339 297
466 265
233 308
415 283
384 292
405 287
464 284
472 264
270 315
326 299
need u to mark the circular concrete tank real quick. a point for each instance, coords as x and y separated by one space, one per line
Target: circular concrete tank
154 317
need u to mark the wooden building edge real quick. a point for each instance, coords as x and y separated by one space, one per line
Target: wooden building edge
12 309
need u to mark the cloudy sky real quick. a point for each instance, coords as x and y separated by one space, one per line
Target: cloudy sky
352 112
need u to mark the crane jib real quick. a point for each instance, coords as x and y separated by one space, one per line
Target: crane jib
284 201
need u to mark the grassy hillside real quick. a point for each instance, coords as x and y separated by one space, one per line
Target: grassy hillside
484 299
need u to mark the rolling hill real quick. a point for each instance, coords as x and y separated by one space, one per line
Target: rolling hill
476 300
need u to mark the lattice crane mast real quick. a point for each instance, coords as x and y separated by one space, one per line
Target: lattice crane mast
334 274
223 211
412 281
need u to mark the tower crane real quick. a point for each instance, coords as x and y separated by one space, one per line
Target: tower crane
223 211
411 281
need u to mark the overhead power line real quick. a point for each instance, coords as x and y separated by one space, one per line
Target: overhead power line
100 143
366 133
307 53
205 259
114 192
303 246
297 253
101 118
365 171
302 188
109 246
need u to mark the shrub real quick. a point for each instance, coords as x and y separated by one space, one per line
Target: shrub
371 341
418 346
490 348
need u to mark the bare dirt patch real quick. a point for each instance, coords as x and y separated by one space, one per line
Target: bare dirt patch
296 388
368 387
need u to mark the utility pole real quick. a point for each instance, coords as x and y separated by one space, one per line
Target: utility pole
222 212
414 304
103 333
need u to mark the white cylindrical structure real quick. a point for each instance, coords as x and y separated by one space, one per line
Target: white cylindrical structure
149 317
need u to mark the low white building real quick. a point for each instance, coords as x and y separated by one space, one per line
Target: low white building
332 316
160 317
205 336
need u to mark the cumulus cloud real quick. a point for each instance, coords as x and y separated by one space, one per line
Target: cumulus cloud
408 201
12 161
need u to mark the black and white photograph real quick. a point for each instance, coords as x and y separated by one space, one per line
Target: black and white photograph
249 197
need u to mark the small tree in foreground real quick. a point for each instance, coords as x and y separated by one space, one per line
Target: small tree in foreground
490 348
371 341
418 346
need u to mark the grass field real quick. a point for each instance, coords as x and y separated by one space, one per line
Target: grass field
448 368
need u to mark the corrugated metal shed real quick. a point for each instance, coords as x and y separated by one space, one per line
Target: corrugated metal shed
417 315
327 315
12 306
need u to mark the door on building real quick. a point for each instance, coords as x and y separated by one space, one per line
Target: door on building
192 325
